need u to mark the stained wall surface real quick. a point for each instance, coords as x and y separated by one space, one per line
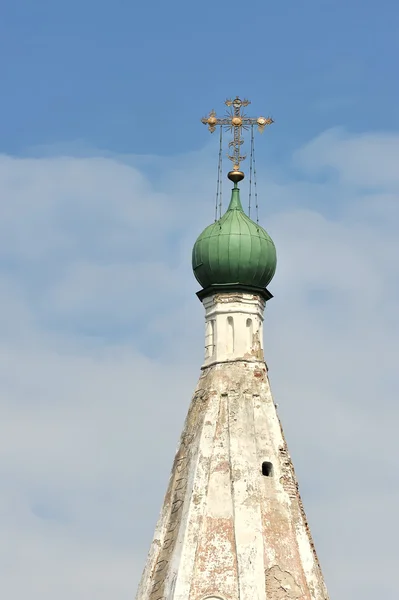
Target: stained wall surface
232 525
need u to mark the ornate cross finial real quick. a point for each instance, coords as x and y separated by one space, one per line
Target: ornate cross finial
236 120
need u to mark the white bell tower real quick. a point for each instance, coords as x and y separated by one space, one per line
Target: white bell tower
232 525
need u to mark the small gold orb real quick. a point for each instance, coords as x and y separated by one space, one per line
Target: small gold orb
236 121
261 121
211 120
235 176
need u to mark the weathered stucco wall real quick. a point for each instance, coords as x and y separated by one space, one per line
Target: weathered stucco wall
233 327
226 529
233 526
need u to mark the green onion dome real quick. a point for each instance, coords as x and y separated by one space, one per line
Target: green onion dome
234 251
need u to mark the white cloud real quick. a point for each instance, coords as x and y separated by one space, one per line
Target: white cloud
101 342
362 160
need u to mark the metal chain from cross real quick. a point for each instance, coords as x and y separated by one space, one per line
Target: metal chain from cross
236 120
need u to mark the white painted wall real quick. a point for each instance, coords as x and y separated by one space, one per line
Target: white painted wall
226 531
233 327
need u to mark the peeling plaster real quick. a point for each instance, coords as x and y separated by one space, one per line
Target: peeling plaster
280 585
225 530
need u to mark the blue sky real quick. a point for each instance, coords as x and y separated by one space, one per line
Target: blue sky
135 77
106 178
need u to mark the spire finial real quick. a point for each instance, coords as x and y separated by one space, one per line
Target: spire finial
235 121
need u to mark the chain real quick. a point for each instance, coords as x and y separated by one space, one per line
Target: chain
250 170
254 170
219 180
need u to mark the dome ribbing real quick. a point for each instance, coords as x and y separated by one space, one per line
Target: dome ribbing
234 251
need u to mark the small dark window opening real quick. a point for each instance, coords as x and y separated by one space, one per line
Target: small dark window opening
267 469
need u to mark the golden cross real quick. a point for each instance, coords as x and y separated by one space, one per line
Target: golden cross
236 120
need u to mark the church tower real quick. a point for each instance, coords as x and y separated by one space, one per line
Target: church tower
233 526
